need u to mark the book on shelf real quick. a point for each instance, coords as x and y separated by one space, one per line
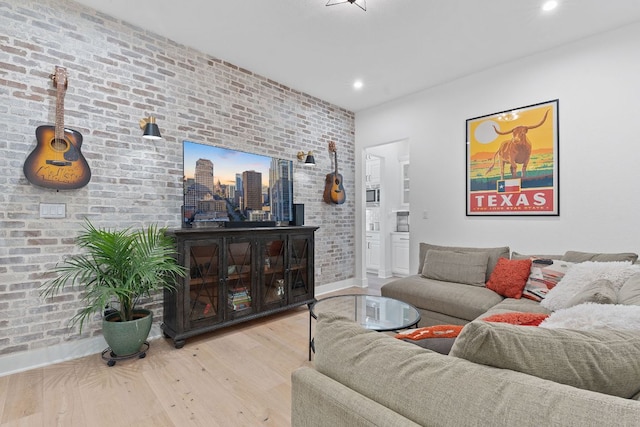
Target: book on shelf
238 298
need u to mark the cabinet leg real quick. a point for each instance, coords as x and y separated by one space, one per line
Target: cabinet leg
178 343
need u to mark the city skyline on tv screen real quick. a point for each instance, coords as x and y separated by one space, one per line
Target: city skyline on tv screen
226 162
226 185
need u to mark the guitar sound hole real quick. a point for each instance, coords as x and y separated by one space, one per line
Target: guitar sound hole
59 144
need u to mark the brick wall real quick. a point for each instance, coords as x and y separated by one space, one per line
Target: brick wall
118 74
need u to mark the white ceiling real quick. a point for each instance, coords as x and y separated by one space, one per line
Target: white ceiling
396 47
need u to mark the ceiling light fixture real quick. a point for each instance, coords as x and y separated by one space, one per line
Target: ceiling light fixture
549 5
358 84
362 4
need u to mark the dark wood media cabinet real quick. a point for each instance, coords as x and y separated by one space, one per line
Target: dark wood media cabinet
237 274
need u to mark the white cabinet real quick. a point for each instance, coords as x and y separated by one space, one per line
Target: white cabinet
373 252
404 183
400 254
372 172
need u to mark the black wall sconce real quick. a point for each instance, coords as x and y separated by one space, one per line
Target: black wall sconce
309 161
150 128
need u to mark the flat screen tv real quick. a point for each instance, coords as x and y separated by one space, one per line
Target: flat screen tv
232 188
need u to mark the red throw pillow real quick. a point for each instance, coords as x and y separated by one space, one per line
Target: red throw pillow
509 277
517 318
437 331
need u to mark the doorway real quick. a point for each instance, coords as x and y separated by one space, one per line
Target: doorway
386 243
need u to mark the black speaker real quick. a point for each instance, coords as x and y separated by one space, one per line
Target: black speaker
298 214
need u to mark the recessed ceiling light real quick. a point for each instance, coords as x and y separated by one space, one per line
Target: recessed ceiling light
358 84
549 5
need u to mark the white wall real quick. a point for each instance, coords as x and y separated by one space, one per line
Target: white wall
597 82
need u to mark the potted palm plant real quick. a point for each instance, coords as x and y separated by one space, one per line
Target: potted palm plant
115 270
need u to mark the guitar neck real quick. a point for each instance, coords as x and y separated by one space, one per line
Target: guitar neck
59 126
60 80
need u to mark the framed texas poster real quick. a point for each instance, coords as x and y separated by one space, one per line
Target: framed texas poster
512 162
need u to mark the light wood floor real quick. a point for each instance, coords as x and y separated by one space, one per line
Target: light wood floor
238 376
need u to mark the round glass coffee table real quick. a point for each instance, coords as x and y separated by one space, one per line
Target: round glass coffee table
369 311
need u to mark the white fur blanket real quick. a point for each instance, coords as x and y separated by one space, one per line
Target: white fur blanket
595 316
580 275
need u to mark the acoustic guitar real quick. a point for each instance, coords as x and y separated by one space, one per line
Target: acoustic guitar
333 189
57 162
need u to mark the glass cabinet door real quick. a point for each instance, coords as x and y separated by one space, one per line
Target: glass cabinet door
300 262
404 179
273 287
204 282
239 277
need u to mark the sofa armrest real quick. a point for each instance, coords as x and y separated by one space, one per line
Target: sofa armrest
317 400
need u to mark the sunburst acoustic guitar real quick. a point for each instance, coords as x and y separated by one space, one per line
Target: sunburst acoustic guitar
57 161
333 188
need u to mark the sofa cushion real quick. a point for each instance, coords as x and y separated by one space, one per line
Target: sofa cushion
433 389
509 277
453 299
461 267
518 305
629 293
494 254
582 274
576 256
544 275
517 255
600 291
605 361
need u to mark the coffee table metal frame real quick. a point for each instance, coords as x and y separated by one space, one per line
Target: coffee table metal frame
372 312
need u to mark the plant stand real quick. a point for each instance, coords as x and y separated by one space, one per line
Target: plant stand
111 358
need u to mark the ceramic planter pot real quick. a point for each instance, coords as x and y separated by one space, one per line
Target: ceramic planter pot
125 338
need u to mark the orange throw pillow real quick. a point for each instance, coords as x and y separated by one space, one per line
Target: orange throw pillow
509 277
517 318
437 331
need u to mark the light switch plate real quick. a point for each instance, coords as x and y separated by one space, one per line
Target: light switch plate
53 210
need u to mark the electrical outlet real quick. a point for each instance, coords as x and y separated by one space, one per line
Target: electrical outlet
425 215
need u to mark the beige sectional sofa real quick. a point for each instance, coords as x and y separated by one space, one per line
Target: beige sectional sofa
497 374
449 302
367 378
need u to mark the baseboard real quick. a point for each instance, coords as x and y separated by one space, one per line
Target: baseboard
336 286
26 360
385 274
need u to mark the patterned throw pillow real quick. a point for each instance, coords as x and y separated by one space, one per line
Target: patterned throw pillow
509 277
545 274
